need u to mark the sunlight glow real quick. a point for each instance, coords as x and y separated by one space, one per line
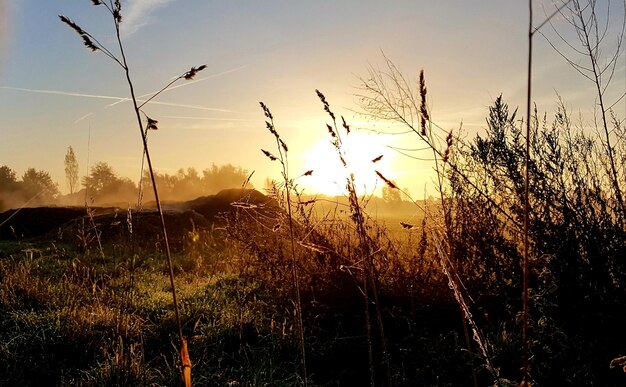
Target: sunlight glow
329 175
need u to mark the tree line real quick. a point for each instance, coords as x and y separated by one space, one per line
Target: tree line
103 185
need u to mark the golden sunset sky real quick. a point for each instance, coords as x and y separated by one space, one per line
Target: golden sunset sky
55 93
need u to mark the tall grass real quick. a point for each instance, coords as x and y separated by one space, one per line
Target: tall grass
288 184
365 253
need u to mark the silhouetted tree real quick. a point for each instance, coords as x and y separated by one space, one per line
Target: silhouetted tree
221 177
103 184
189 184
71 169
595 53
8 186
8 179
38 184
391 195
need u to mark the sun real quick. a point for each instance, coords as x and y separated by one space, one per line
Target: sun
362 153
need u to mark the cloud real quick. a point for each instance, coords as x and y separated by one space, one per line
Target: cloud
136 14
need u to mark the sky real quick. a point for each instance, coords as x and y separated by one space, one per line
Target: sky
55 93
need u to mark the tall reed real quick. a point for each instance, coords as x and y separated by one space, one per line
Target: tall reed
114 8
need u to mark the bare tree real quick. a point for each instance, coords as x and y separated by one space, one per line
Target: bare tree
595 56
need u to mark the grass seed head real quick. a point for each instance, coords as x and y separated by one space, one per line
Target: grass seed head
406 226
117 11
189 75
266 111
152 124
331 131
325 103
269 155
345 125
423 109
86 39
387 181
283 145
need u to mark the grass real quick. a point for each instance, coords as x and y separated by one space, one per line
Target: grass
71 318
66 321
72 309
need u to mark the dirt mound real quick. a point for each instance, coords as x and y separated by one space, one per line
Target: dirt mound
71 224
33 222
143 229
228 200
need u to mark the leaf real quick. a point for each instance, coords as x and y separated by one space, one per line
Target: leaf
185 362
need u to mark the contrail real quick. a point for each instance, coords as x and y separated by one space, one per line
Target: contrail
210 118
119 99
83 117
58 92
182 85
198 107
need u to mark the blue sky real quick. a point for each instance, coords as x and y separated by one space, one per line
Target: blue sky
278 52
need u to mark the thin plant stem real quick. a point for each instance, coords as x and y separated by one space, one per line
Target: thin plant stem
154 186
525 362
88 40
369 275
294 273
283 159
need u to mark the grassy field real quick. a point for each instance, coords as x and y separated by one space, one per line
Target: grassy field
80 318
73 315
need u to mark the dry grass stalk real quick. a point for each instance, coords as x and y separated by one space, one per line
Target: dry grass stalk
445 263
115 10
365 251
288 185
